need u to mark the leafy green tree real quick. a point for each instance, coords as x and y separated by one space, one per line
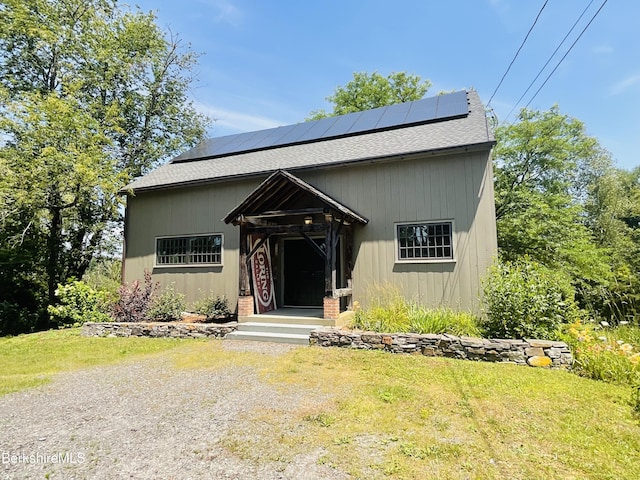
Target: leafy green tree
538 212
372 90
561 202
91 95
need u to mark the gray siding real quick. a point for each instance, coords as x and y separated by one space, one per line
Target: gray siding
452 187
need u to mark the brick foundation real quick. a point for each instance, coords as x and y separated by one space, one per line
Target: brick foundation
245 306
331 308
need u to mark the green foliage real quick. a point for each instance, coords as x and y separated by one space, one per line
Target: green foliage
390 312
372 90
79 303
527 300
15 319
606 354
105 274
213 307
135 300
561 202
167 307
91 95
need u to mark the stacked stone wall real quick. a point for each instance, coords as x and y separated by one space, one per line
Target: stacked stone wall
537 353
158 329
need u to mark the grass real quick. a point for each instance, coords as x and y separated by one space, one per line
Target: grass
401 416
32 360
377 415
390 312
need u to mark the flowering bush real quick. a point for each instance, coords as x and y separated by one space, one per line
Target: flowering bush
603 354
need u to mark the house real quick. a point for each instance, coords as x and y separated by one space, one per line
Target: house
309 215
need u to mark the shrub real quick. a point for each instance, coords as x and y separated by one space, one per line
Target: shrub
167 307
213 307
527 300
605 354
78 303
135 300
15 319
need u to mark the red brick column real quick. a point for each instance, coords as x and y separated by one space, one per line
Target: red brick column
245 306
331 307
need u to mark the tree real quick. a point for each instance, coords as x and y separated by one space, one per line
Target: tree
561 202
372 90
92 95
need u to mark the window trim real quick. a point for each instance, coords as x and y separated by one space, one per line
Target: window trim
188 265
396 242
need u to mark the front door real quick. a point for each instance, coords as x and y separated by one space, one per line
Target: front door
303 281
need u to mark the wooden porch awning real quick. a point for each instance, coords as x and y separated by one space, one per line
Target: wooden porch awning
283 194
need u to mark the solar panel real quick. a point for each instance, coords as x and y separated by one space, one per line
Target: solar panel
367 121
295 133
342 124
318 129
393 116
452 105
422 110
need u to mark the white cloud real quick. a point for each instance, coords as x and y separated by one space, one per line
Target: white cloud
625 84
603 49
225 12
234 121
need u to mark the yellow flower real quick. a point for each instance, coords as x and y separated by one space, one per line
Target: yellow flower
626 348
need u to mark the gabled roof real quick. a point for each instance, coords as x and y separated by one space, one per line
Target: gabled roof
281 191
246 155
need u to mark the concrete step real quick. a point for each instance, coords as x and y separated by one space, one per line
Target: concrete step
295 338
289 328
288 319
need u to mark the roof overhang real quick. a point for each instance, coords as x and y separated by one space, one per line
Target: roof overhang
284 194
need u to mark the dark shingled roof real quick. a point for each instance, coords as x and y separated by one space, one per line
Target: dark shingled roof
428 125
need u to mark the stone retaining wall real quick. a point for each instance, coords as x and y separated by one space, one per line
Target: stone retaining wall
158 329
536 353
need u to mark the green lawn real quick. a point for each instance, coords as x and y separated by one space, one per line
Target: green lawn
391 416
31 360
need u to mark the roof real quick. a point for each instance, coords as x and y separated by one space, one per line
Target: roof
280 191
248 154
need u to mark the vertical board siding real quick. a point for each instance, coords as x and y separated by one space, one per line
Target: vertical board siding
457 187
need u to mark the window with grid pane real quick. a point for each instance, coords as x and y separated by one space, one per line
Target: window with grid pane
425 241
192 250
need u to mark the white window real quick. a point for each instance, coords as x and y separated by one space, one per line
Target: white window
424 241
189 250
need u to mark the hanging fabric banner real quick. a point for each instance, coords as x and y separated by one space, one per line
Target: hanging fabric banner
263 286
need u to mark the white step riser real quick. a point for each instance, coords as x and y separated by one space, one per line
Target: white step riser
267 337
276 328
318 322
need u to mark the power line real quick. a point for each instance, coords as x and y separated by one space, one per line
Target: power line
565 55
548 61
516 55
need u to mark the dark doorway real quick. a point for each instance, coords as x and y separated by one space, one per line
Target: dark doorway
303 274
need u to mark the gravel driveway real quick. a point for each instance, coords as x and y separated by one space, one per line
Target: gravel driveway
145 419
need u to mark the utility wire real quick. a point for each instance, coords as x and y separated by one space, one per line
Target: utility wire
548 61
516 55
565 55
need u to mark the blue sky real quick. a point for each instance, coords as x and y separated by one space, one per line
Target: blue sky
270 63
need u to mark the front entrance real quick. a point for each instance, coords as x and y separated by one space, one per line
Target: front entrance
303 273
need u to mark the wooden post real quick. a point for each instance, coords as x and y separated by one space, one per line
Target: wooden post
244 271
329 261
